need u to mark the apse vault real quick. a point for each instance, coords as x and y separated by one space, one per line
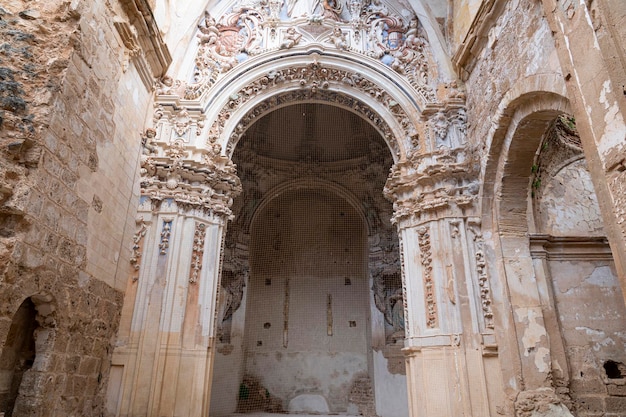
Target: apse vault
306 320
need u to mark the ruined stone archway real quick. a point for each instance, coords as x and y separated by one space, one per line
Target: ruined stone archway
538 262
309 166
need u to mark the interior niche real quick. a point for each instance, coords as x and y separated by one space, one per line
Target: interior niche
576 258
311 284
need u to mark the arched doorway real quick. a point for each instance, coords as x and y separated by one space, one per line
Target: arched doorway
18 355
307 271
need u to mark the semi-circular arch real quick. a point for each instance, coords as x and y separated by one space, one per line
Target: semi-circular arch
385 101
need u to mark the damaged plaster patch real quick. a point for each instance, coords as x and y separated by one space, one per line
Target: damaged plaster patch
542 359
606 88
602 276
532 337
614 131
599 337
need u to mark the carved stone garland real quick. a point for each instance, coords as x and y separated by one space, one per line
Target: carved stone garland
197 252
315 81
483 282
137 249
429 283
166 231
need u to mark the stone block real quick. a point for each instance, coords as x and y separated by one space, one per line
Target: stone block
616 390
616 405
590 404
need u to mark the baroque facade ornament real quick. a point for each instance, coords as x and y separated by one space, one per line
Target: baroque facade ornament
248 29
315 81
197 252
166 231
432 182
426 260
137 249
195 179
481 270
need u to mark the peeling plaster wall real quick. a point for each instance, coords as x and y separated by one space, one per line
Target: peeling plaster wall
519 46
315 241
591 313
568 205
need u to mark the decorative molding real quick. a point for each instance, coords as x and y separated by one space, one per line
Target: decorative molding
314 81
137 249
250 29
197 252
477 35
430 297
431 183
591 248
164 242
483 277
172 170
148 35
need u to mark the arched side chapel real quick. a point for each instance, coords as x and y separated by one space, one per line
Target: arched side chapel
348 207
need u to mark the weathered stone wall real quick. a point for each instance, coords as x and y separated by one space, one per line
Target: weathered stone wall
511 103
518 47
70 128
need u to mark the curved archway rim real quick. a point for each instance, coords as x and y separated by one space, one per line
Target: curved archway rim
273 59
396 154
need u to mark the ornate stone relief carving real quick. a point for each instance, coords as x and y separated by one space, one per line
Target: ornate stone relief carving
447 128
315 81
428 183
197 252
176 123
388 291
234 276
164 242
483 278
195 179
429 283
137 249
251 28
224 44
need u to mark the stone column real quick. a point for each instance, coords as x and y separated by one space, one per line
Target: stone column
448 320
167 338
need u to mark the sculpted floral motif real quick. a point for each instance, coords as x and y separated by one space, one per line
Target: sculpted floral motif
209 185
135 258
164 242
197 252
228 40
231 40
423 236
481 270
316 79
441 180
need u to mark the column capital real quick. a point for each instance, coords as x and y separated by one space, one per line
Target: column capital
195 178
428 186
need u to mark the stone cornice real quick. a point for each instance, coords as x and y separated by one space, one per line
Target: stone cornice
570 247
477 35
149 38
438 184
172 171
